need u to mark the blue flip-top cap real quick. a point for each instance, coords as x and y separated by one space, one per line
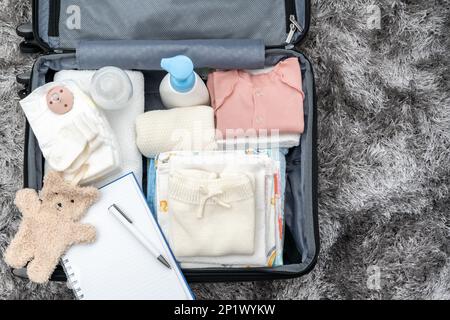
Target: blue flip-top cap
181 69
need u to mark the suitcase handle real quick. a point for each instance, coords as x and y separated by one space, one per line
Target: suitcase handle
25 30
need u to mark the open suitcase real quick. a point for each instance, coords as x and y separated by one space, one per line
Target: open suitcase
85 34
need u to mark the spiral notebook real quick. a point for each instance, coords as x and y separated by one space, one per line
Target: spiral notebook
116 266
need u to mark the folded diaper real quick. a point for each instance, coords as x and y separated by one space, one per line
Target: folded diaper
262 102
80 143
262 169
121 121
211 215
176 130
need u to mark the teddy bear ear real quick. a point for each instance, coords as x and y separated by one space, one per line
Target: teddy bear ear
90 194
53 180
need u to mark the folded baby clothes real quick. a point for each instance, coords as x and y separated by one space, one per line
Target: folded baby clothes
151 185
275 187
279 186
262 102
271 214
79 141
261 166
121 121
211 215
181 129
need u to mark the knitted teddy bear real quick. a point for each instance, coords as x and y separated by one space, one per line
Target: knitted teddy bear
50 225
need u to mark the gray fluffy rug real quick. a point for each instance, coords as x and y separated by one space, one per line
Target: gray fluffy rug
384 150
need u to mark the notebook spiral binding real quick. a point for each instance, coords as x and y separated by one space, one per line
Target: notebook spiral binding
74 283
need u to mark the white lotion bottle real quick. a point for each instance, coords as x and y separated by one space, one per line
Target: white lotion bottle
182 87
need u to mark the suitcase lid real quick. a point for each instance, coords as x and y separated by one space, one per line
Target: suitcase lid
60 25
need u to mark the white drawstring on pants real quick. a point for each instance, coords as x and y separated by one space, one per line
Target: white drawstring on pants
210 195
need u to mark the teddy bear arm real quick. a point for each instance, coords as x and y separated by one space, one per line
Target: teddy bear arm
27 200
83 233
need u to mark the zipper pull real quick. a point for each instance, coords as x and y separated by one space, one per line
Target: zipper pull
295 23
291 33
294 27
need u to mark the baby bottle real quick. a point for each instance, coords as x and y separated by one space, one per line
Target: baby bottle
111 88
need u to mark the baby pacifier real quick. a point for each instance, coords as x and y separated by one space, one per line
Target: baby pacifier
60 100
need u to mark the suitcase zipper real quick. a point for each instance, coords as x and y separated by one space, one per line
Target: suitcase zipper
293 28
291 9
53 19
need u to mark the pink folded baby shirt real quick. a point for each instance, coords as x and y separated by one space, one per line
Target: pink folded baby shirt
245 102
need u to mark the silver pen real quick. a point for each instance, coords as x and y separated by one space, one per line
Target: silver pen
128 224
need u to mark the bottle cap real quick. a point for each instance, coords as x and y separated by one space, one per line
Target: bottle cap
181 69
111 88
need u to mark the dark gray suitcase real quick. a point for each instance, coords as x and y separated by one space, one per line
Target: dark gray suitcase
135 34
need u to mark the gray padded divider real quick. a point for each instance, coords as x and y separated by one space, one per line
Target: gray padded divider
147 55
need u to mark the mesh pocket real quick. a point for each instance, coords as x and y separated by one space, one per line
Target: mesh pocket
172 20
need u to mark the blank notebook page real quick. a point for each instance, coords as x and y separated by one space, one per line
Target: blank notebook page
117 265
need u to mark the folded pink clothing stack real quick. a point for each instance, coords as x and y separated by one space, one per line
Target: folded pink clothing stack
252 103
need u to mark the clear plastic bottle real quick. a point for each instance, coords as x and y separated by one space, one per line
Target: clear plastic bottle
111 88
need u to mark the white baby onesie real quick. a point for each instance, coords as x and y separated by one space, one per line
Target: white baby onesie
79 143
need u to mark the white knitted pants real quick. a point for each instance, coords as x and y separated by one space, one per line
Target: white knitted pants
212 215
